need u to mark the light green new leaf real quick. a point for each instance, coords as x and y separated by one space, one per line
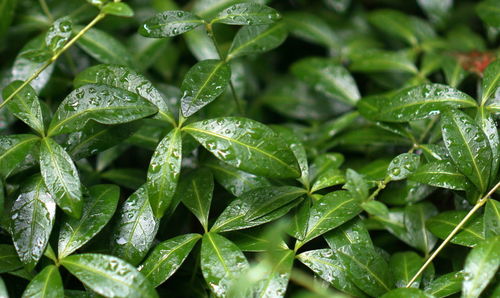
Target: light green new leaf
329 267
491 80
101 103
98 208
329 77
14 149
414 103
441 173
25 105
480 267
488 11
221 262
109 276
492 218
167 257
445 285
123 77
202 84
9 260
170 23
470 235
247 145
135 228
403 165
46 284
256 207
58 34
61 177
468 147
257 39
247 14
331 211
404 265
32 217
118 9
163 172
196 191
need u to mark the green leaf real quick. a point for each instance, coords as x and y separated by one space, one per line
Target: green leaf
122 77
328 178
255 240
98 208
491 80
129 178
394 23
170 23
436 10
468 146
366 268
298 149
25 105
47 283
441 173
277 275
480 267
488 12
404 265
331 211
104 104
118 9
233 180
61 177
403 165
406 292
32 217
221 262
247 14
251 208
414 103
375 208
453 71
167 257
352 232
135 228
14 149
200 44
247 145
109 276
323 163
311 28
445 285
203 83
329 77
9 261
378 60
7 10
257 39
329 267
196 191
470 235
492 218
356 185
59 34
163 172
486 121
415 217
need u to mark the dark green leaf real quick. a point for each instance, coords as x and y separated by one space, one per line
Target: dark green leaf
415 217
328 178
61 177
58 34
129 178
13 151
104 104
167 257
109 276
488 11
247 14
441 173
277 275
491 79
257 39
7 12
352 232
356 185
47 283
486 121
394 23
118 9
196 192
378 60
135 228
247 145
221 262
375 208
436 10
163 172
404 265
203 83
480 267
468 146
98 208
445 285
25 105
32 217
403 165
9 261
406 292
312 28
170 23
492 218
470 235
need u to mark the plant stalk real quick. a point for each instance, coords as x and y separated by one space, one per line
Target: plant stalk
476 207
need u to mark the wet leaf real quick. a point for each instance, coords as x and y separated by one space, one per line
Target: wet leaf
403 165
247 14
108 276
492 218
9 261
59 34
25 105
356 185
278 274
415 220
13 151
169 24
442 224
445 285
404 265
441 173
118 9
47 283
196 191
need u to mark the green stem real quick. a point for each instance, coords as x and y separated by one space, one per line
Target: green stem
211 34
476 207
99 17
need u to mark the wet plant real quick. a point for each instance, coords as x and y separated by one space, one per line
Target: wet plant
232 148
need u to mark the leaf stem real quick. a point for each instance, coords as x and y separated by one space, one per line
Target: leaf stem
56 55
211 34
476 207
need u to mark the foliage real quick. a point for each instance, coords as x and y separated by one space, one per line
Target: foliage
236 148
